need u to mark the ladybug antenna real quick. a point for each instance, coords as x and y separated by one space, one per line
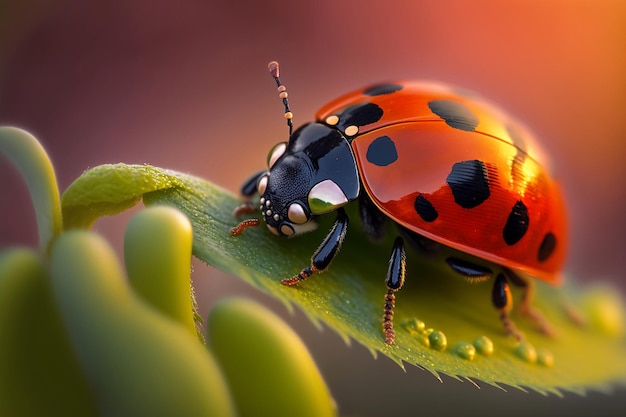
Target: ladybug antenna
282 93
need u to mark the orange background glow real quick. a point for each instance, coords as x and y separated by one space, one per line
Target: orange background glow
184 85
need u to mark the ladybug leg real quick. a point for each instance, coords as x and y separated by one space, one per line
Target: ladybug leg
326 252
244 208
526 307
372 219
422 244
473 272
503 301
248 189
501 294
394 280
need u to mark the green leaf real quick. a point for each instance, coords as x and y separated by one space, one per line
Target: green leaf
110 189
444 324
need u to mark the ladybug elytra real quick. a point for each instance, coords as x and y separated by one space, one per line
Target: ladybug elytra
444 165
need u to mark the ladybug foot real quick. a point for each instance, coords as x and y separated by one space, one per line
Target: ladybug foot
237 230
509 326
575 315
296 279
542 324
245 208
390 302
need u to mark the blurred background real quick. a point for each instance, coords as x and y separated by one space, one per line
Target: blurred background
183 85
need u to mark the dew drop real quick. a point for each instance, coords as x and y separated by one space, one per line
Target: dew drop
413 325
545 358
438 340
465 350
526 352
483 345
423 339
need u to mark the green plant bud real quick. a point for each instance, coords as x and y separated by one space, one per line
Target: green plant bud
157 254
268 367
606 311
139 362
38 371
32 161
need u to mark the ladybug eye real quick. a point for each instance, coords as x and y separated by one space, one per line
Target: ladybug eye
296 214
276 152
326 196
262 185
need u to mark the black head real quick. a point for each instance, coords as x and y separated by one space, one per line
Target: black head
314 173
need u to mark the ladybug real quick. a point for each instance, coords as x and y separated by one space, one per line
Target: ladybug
447 167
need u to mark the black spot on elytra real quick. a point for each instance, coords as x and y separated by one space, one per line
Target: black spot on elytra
547 247
425 209
382 152
455 114
516 224
359 115
469 183
381 89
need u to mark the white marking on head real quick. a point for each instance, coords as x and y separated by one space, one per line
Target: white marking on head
351 130
304 228
296 213
262 185
332 120
276 152
326 196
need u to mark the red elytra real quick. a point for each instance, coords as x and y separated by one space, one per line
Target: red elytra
517 219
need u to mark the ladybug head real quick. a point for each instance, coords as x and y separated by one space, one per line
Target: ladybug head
312 174
283 197
315 173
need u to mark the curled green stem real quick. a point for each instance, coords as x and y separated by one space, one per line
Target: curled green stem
33 163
